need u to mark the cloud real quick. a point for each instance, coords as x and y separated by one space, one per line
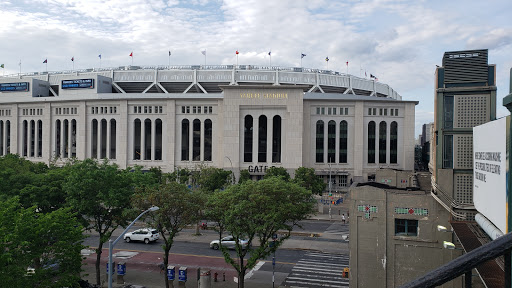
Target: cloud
493 39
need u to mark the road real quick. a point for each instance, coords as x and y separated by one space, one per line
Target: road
303 261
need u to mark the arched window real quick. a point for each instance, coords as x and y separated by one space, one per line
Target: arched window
2 137
196 140
8 135
319 141
371 142
40 138
65 139
147 139
276 139
382 141
103 139
32 138
262 139
73 137
57 137
331 142
185 131
137 137
113 134
393 143
208 138
158 139
343 141
248 127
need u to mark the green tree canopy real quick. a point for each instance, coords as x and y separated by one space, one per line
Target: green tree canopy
50 243
258 210
100 193
307 178
244 176
178 208
277 172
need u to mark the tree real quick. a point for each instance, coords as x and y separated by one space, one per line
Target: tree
256 210
178 208
50 243
307 178
277 172
100 194
244 176
16 173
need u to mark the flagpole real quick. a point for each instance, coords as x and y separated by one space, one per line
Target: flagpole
204 57
169 58
301 59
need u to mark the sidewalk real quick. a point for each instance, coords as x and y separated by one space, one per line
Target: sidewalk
142 269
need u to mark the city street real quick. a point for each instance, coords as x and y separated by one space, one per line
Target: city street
305 260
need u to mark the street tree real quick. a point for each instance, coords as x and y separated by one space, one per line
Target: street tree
48 243
256 211
100 193
244 176
178 209
277 172
307 178
16 173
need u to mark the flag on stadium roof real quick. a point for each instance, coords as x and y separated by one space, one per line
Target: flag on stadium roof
131 54
302 55
169 52
327 58
73 59
374 77
203 52
99 56
2 66
269 52
45 61
347 63
236 52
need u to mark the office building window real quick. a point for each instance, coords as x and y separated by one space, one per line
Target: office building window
448 112
448 151
393 143
382 141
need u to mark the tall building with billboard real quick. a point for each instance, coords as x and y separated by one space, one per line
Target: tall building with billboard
232 117
465 97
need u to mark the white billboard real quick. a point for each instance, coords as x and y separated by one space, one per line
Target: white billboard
490 170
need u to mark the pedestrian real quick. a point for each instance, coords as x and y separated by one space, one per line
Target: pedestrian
343 218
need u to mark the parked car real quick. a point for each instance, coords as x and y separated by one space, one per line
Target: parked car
228 242
145 234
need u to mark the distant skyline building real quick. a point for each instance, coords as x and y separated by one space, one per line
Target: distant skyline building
465 97
425 132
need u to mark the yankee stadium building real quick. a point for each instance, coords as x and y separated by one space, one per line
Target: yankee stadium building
232 117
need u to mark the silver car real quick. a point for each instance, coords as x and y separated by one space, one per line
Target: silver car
145 234
228 242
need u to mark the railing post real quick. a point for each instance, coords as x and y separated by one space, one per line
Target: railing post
468 279
507 268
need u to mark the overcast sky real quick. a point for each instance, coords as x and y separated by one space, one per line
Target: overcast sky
400 42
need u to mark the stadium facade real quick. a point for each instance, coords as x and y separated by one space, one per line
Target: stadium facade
233 117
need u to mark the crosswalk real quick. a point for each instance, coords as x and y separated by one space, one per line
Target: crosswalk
317 269
338 229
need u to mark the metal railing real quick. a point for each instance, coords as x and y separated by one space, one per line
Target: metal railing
465 263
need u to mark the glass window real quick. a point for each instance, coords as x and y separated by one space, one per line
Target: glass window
393 143
448 151
331 142
323 111
248 127
374 111
369 111
380 111
262 139
183 109
334 110
329 111
346 111
319 141
396 112
208 139
317 110
406 227
185 130
158 138
385 112
382 141
276 139
371 142
448 112
196 139
343 141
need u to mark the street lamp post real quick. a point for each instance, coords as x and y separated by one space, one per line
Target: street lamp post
232 171
112 243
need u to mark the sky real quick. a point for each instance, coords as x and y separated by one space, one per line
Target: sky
400 42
